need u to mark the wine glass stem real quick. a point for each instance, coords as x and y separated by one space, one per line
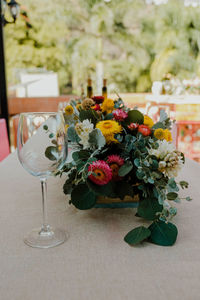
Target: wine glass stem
45 226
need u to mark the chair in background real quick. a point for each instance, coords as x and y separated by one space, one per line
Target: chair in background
4 143
188 138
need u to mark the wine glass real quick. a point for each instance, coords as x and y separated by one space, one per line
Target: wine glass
42 151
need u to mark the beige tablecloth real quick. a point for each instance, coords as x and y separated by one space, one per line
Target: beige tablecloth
95 263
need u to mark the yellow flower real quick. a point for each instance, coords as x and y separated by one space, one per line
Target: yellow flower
159 133
109 128
148 121
168 135
69 110
108 106
66 127
79 106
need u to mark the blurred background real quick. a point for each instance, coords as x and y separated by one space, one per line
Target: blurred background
148 50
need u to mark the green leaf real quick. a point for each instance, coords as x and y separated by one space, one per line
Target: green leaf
158 125
137 162
163 115
172 196
45 127
184 184
135 116
188 199
80 155
108 117
150 180
163 234
82 197
148 208
140 174
102 190
97 139
130 141
67 188
54 142
72 135
172 183
123 189
125 169
51 153
137 235
90 115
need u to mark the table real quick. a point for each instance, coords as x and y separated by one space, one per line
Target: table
95 263
173 99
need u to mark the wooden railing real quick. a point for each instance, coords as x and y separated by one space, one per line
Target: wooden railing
40 104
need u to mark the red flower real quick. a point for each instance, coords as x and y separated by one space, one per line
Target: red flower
98 99
133 126
145 130
96 107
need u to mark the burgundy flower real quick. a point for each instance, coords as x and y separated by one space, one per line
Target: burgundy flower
98 99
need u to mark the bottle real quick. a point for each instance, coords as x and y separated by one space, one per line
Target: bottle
104 89
89 88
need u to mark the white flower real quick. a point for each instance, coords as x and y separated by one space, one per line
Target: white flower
83 130
170 160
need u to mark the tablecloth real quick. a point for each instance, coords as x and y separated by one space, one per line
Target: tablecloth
95 263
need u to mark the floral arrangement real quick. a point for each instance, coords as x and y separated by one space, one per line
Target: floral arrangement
120 152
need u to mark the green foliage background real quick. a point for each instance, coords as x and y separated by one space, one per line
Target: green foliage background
137 43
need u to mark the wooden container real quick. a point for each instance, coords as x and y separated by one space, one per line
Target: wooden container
106 202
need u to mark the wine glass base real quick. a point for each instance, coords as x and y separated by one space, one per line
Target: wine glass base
38 238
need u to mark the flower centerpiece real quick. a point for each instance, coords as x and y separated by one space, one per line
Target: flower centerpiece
119 157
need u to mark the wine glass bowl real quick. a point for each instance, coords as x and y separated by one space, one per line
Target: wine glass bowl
42 151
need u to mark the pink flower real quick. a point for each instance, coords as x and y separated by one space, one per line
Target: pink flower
115 162
120 114
144 129
102 173
133 126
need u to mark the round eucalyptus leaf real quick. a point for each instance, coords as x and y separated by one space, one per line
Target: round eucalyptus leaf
82 197
163 234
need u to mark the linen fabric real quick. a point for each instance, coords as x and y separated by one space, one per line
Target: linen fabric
95 263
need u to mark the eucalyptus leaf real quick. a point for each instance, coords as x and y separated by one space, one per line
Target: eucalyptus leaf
82 197
125 169
90 115
148 208
45 127
137 162
137 235
172 196
163 234
51 153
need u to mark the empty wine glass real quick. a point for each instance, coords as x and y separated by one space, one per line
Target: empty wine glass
42 151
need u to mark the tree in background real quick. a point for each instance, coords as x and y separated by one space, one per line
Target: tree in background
136 43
